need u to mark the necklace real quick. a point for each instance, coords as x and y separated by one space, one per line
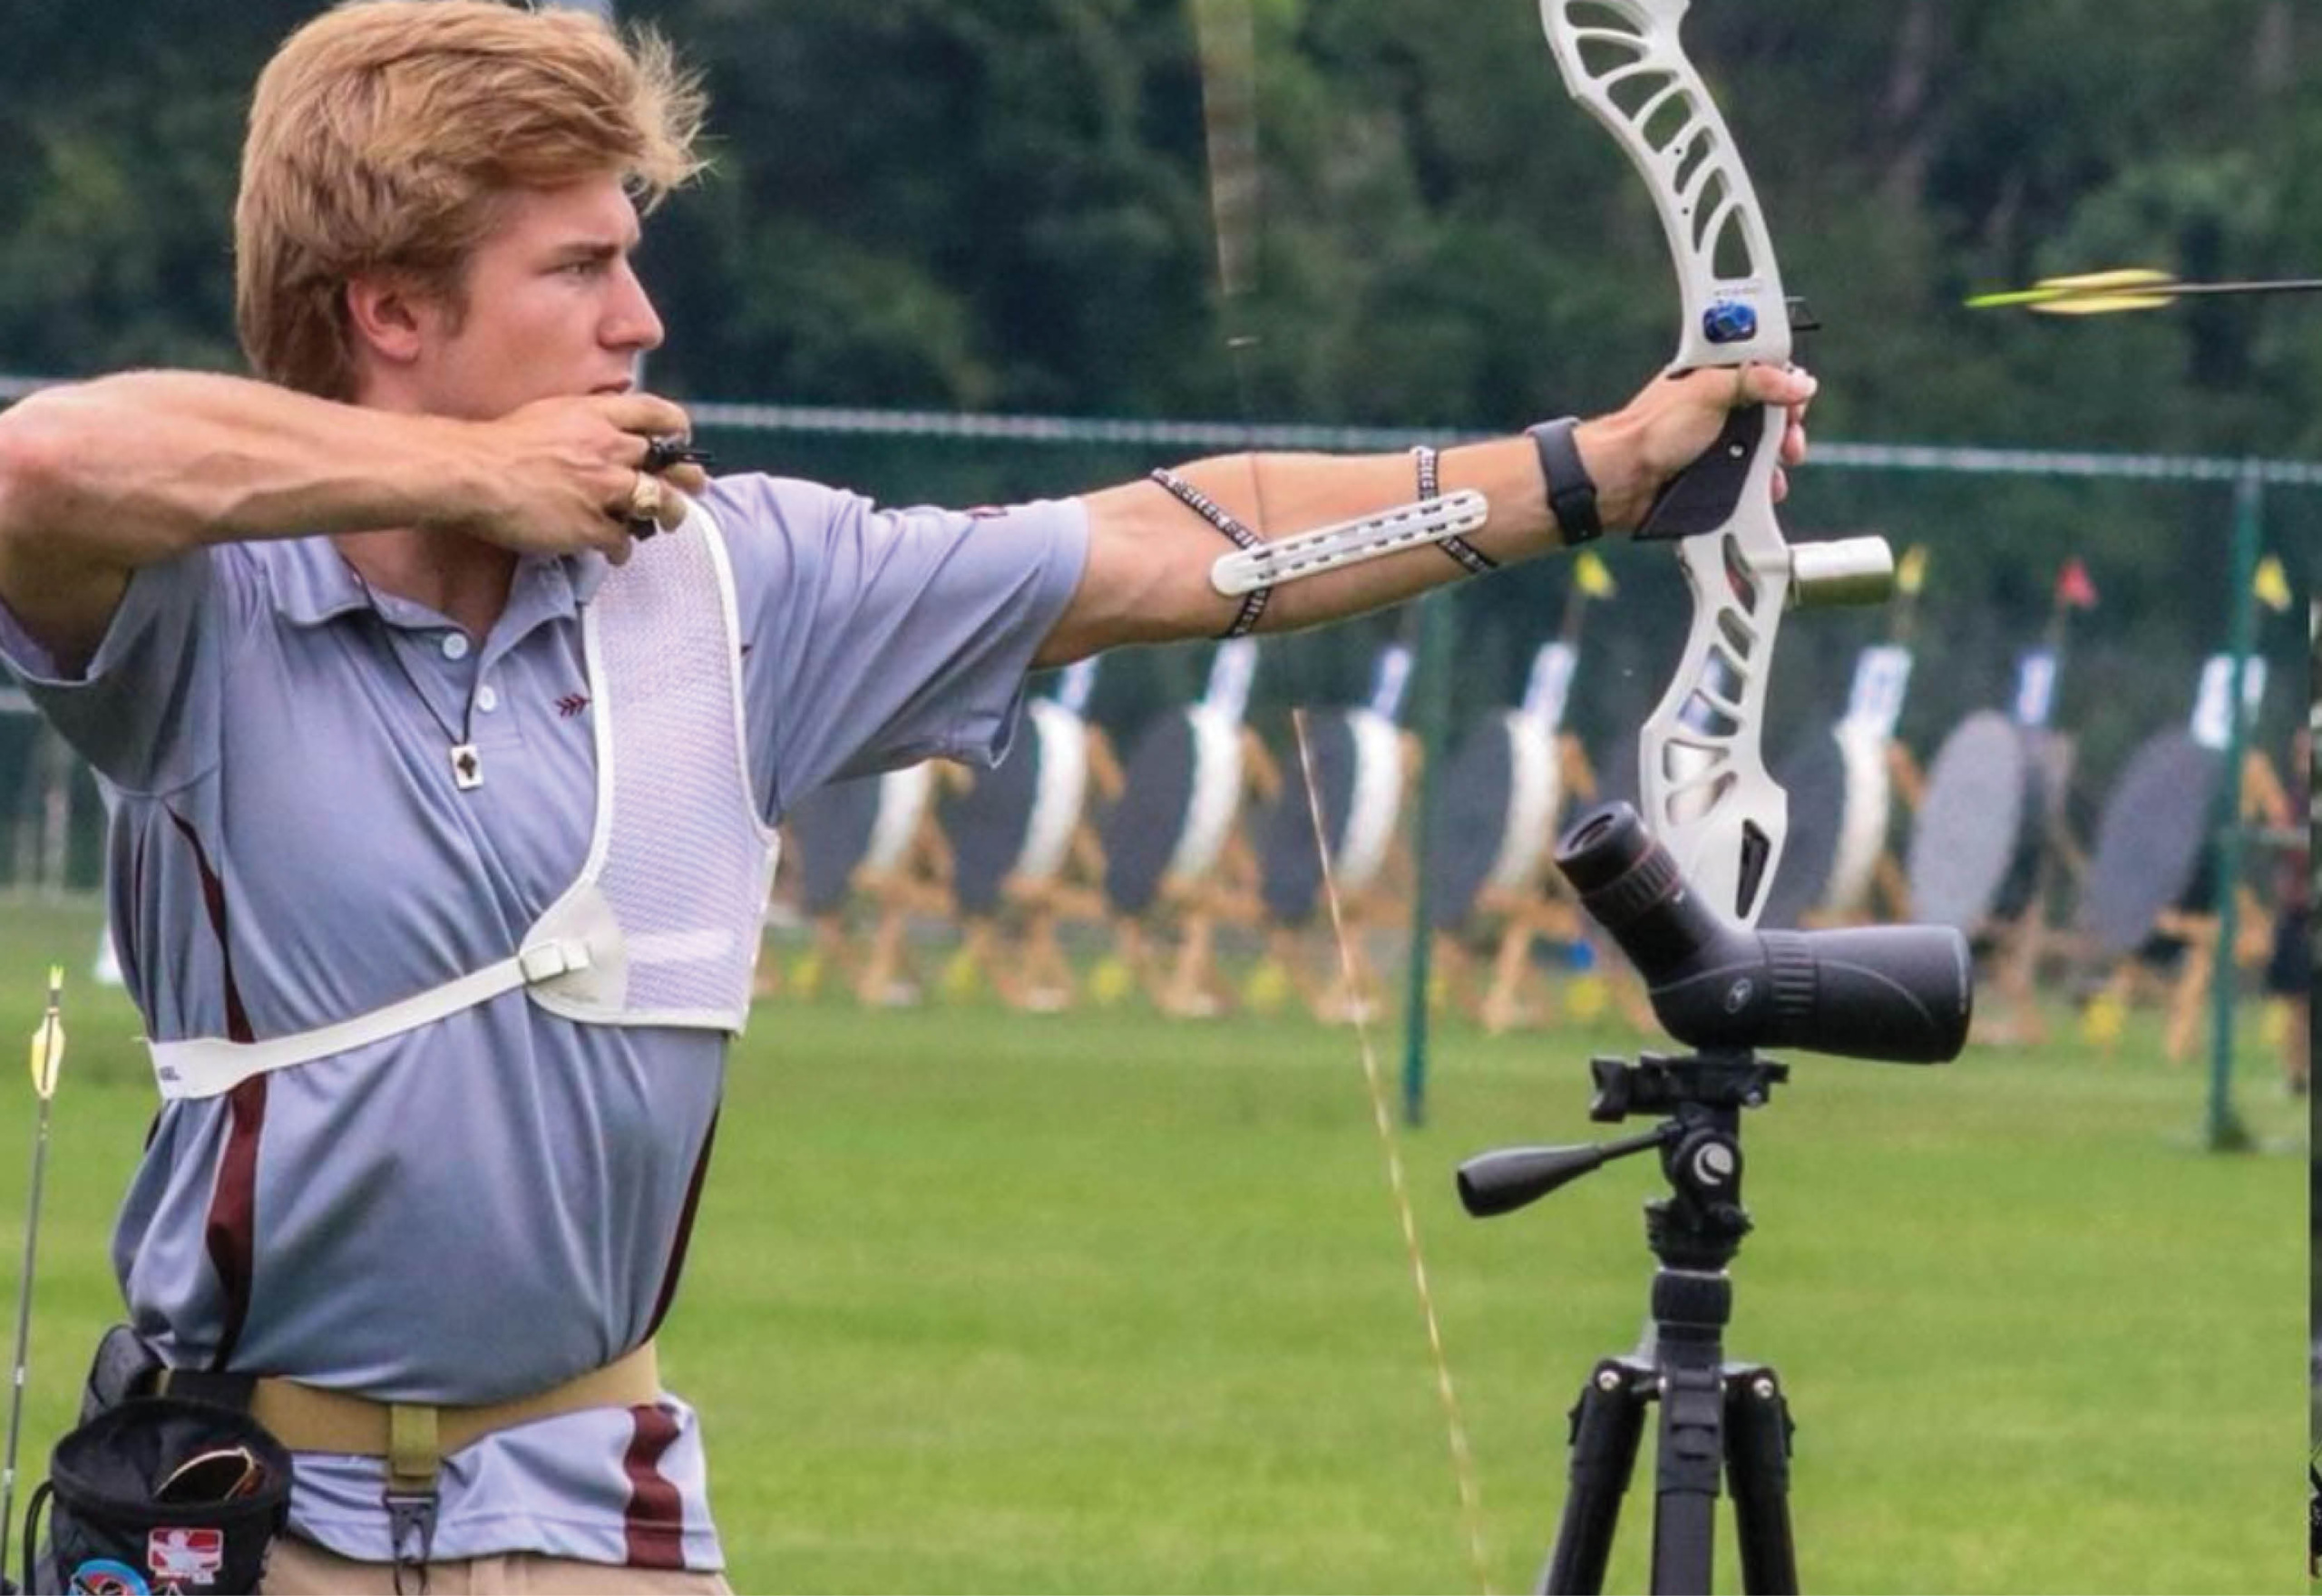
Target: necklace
466 761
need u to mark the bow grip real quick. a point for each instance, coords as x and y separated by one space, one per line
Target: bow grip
1702 497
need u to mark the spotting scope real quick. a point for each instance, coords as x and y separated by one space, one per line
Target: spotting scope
1903 994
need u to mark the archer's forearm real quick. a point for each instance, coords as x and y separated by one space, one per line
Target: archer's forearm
99 478
131 469
1148 576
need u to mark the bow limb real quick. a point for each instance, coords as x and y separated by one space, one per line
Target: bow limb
1702 776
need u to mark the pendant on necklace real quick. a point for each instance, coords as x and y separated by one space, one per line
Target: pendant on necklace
467 767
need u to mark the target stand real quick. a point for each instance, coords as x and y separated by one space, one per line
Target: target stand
1842 784
2151 913
1362 768
1494 826
1026 858
867 848
1176 864
1989 847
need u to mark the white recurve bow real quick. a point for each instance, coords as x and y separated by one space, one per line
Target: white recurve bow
1704 784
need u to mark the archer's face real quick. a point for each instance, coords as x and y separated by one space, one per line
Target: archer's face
553 307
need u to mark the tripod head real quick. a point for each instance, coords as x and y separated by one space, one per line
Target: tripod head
1701 1224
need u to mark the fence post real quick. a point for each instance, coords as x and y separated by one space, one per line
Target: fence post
2224 1132
1431 711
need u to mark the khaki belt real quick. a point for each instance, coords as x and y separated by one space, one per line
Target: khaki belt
415 1437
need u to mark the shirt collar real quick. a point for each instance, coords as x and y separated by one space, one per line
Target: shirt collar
313 584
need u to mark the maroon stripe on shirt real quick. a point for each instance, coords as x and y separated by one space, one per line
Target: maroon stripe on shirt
214 898
232 1231
685 1231
123 928
654 1522
230 1235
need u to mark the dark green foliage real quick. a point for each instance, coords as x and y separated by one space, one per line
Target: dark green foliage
1001 205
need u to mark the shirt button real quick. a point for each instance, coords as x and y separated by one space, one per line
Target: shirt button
455 644
487 698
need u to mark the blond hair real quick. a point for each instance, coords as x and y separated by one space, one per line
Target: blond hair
383 131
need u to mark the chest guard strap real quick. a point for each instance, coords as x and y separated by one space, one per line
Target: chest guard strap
662 925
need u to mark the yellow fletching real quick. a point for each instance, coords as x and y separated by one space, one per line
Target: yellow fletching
2088 292
2086 282
48 1040
2101 303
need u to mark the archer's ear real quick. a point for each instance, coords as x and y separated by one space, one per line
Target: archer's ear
387 320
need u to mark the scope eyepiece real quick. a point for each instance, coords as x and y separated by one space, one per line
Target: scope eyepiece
1903 994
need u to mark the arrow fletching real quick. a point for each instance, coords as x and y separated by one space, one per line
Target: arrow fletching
2088 292
2102 293
48 1039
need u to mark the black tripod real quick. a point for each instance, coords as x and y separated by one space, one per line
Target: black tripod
1716 1418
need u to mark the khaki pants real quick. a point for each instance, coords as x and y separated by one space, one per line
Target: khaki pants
301 1568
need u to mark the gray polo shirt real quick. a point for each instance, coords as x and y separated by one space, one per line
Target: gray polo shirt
494 1203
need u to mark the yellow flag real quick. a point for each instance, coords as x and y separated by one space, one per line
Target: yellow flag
1911 571
48 1040
1595 577
2272 586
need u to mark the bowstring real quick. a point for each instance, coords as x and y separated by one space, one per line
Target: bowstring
1226 46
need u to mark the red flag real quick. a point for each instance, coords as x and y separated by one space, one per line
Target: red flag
2073 587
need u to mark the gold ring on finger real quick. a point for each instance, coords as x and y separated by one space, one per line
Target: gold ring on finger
645 499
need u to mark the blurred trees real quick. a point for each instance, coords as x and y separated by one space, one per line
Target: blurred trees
1000 205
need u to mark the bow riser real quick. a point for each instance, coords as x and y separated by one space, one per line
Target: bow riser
1703 777
1706 791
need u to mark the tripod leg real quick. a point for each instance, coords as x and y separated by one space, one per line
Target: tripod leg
1757 1460
1688 1467
1606 1424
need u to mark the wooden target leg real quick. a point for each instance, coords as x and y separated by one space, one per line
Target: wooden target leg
2118 993
2191 989
1131 959
981 955
1047 982
1352 988
1504 1007
1894 889
1133 941
1286 951
1451 975
1189 994
2015 973
833 953
886 980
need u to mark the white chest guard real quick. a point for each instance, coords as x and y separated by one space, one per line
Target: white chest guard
662 925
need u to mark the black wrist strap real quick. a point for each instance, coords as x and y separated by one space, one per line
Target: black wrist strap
1572 493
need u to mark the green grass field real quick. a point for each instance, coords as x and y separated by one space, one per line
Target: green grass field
1103 1302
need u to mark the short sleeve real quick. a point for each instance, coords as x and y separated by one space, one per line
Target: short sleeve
875 638
144 711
